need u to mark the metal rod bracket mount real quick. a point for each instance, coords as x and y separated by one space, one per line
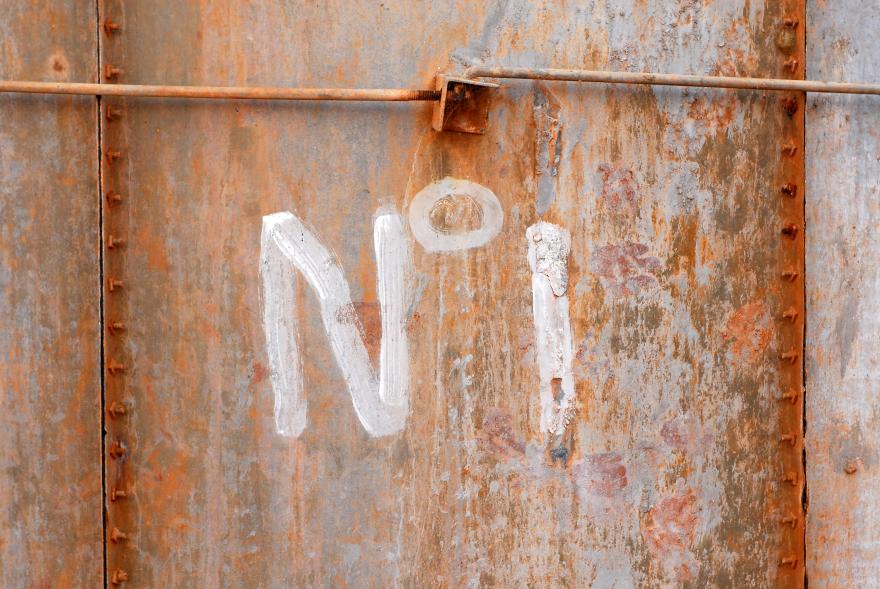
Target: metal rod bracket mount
463 106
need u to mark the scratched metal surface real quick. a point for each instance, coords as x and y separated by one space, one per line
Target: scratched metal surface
50 391
843 290
673 476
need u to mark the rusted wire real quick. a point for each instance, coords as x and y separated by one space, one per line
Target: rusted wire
574 75
400 94
222 92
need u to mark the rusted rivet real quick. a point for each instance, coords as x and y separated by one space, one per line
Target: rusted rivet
119 576
112 156
111 72
790 478
852 466
789 561
791 356
117 450
112 114
116 409
789 189
790 105
116 326
110 27
791 64
113 198
790 521
789 149
790 230
791 396
791 22
791 274
114 284
116 535
114 367
788 438
117 494
791 313
114 242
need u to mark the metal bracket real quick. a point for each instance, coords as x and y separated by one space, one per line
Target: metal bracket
463 106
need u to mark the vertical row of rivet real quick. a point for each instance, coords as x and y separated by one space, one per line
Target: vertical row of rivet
116 363
790 321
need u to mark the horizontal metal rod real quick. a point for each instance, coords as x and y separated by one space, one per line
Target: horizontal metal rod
222 92
574 75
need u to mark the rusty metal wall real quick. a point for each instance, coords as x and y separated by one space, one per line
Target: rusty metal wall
50 352
843 289
675 474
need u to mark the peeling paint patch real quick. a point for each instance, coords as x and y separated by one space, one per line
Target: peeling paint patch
626 269
549 246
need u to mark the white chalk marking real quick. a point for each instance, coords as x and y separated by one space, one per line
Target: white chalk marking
382 404
432 238
549 246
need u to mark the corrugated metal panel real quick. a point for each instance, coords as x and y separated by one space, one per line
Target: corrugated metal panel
842 292
674 470
50 391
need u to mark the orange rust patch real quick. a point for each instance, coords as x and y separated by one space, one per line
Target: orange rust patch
750 329
669 530
370 316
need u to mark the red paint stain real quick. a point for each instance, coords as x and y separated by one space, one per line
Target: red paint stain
619 186
626 268
669 530
602 474
260 373
498 435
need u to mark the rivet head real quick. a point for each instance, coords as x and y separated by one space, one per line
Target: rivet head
116 409
790 230
111 72
117 450
118 577
110 27
114 367
852 467
117 535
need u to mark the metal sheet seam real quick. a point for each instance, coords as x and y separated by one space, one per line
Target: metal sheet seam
101 319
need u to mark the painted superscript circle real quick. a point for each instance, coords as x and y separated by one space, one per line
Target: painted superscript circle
454 214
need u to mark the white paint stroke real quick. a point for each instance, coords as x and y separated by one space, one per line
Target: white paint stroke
549 246
434 239
381 404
